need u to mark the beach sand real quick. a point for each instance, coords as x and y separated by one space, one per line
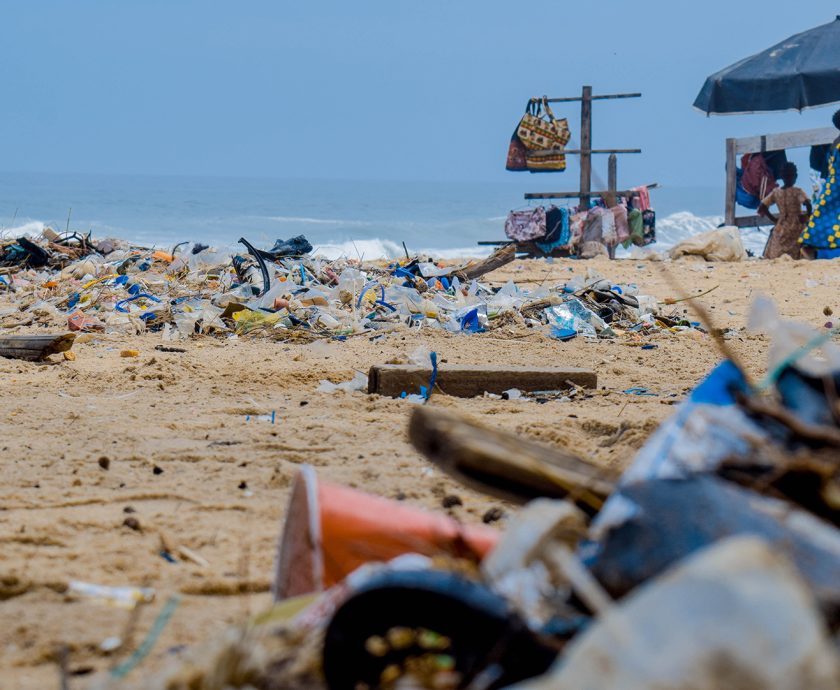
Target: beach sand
184 462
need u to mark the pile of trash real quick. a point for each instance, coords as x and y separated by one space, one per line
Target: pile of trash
711 562
286 292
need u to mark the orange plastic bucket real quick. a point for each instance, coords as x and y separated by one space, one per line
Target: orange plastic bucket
331 530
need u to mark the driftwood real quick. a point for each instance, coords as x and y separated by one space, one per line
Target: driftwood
35 347
505 465
476 269
469 381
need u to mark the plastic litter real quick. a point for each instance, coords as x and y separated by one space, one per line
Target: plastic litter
121 597
359 382
735 615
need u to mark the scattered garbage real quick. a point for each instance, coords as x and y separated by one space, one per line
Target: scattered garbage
287 293
121 597
710 562
735 615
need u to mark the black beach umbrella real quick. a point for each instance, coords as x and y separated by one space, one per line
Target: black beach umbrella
800 72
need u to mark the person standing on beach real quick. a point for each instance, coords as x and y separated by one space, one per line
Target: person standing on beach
784 237
823 229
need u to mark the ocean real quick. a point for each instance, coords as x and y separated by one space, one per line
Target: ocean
368 219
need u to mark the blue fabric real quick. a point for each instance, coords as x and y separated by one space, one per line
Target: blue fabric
563 236
823 230
719 387
742 196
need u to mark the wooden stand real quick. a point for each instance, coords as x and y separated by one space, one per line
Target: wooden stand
586 151
584 193
762 144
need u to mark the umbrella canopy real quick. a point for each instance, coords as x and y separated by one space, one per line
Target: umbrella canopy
800 72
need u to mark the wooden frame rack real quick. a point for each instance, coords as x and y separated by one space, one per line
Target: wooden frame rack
760 144
586 152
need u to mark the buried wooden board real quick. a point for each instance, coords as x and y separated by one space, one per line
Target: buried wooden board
35 347
505 465
465 381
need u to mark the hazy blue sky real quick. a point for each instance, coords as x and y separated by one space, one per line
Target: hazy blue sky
369 89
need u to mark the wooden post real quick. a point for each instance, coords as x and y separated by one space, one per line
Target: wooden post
612 186
731 180
585 146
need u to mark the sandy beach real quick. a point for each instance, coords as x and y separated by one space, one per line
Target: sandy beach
165 439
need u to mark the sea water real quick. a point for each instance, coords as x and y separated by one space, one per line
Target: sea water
358 219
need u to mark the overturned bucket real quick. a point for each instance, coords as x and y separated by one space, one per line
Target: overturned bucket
331 530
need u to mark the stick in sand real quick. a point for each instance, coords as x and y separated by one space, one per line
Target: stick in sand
706 319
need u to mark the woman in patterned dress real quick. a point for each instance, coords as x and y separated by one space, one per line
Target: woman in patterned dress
784 238
823 229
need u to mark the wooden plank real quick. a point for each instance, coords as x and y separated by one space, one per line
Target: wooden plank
585 145
35 347
574 195
505 465
753 222
785 140
731 181
466 381
476 269
550 152
605 97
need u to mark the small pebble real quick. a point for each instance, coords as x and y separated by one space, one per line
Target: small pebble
827 311
451 501
493 515
157 470
243 485
132 523
828 324
104 463
129 509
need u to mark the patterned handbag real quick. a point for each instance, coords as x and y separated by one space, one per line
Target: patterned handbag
526 225
516 157
539 130
545 161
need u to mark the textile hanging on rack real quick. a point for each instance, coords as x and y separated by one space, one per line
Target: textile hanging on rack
526 225
576 226
642 201
557 230
516 157
622 227
649 223
757 178
742 197
637 229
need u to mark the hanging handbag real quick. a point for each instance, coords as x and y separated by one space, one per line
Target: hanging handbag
539 130
526 225
516 157
546 161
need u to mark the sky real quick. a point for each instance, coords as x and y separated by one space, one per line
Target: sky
371 89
